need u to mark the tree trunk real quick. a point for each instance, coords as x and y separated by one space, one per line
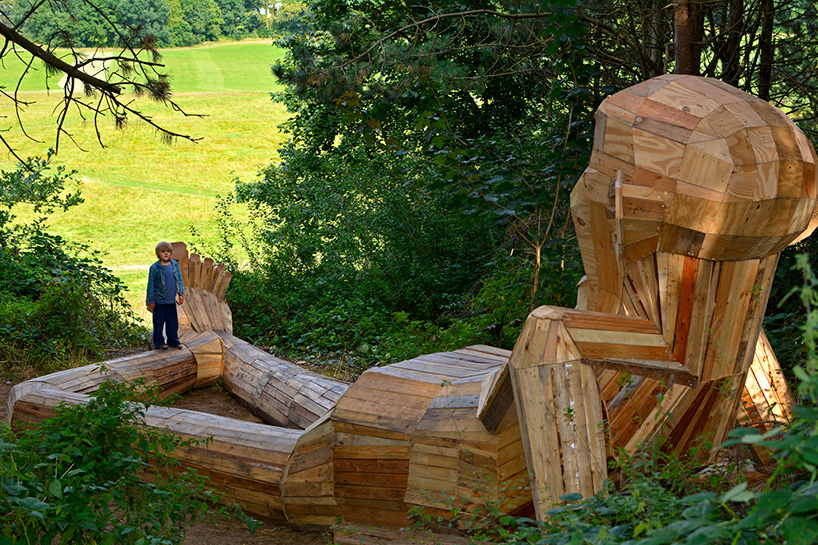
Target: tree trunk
766 46
687 31
735 30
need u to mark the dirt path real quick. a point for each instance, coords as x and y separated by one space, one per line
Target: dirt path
215 400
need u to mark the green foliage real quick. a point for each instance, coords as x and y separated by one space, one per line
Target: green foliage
33 184
84 23
240 18
58 305
343 243
79 477
415 186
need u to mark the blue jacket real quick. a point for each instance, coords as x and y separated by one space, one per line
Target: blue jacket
156 281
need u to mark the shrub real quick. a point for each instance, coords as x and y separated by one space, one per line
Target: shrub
343 243
79 477
58 305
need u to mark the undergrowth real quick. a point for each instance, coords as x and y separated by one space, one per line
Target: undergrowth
58 306
80 477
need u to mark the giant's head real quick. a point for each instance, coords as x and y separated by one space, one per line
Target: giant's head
693 166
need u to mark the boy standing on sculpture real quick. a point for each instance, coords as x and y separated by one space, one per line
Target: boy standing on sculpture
164 286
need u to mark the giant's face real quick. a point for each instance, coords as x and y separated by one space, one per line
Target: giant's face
705 170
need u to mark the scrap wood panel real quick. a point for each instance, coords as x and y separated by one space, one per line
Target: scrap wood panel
243 460
206 284
765 392
308 483
692 190
279 391
356 452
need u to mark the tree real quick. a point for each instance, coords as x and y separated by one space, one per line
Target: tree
428 164
488 106
205 18
764 47
241 17
150 16
134 67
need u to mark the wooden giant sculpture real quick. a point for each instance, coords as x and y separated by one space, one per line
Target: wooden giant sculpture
693 190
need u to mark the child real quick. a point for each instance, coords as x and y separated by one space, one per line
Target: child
164 285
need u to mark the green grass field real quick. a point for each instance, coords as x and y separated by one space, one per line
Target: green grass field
139 190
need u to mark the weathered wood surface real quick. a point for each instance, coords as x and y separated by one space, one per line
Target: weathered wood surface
206 283
703 200
692 191
208 350
279 391
244 461
766 401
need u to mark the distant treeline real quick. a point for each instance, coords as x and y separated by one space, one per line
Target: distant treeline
170 22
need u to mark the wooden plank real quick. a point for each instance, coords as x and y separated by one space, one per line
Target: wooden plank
600 336
626 352
662 370
215 282
207 274
378 379
496 399
607 274
539 432
693 357
608 322
179 253
501 355
225 283
194 270
684 315
698 102
567 436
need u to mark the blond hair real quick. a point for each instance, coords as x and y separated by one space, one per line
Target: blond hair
163 246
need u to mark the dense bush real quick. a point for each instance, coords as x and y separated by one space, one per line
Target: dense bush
342 245
58 305
421 202
79 477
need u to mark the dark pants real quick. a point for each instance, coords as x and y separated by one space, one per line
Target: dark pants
164 317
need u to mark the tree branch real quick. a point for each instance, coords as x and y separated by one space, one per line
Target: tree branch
52 60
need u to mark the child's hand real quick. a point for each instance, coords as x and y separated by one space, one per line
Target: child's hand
150 306
181 299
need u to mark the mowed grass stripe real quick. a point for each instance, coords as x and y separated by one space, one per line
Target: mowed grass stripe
223 67
207 68
239 134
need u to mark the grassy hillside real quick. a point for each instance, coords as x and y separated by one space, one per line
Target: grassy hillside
229 66
139 190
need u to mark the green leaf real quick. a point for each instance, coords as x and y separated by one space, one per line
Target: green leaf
641 527
755 437
572 496
808 504
774 500
738 493
55 488
799 531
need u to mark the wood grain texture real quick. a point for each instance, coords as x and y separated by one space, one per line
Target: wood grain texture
692 191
